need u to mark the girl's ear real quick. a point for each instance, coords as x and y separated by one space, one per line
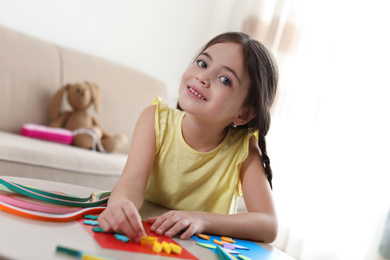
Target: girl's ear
245 117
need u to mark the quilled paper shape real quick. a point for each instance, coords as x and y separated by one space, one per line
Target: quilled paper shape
157 247
90 216
166 247
244 257
91 222
98 230
240 247
228 246
228 239
175 248
231 251
122 238
146 240
218 242
206 245
223 253
203 236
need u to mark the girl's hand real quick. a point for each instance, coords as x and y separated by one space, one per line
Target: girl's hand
172 222
122 216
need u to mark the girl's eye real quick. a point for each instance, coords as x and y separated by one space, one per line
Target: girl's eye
201 64
225 81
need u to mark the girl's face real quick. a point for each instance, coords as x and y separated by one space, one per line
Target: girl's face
215 86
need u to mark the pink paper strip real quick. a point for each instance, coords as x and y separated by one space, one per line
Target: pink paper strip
36 207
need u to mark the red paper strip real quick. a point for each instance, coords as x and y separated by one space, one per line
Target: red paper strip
107 240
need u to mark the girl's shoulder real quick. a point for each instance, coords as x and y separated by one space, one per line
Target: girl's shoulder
162 105
166 120
164 111
147 115
159 101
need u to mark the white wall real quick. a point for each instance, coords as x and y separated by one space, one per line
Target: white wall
157 37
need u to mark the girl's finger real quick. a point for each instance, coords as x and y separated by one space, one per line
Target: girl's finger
104 224
177 227
133 223
158 222
168 224
151 220
109 222
191 230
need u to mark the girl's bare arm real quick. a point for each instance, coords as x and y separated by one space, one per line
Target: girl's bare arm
133 181
260 223
129 192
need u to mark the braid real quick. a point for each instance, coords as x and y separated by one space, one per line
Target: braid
264 76
266 161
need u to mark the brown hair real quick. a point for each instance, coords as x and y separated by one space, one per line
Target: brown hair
263 73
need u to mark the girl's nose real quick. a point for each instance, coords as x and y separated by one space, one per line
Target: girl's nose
203 80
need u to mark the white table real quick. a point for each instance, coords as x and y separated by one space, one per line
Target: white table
22 238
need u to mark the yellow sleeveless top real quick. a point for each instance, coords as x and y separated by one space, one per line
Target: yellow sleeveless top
184 179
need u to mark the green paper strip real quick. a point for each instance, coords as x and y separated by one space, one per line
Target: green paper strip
223 254
50 197
4 188
206 245
103 194
244 257
54 195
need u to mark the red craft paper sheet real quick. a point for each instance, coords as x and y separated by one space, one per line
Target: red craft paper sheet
107 240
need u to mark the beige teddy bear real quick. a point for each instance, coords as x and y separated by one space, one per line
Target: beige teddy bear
88 133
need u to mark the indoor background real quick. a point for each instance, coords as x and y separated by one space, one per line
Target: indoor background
329 137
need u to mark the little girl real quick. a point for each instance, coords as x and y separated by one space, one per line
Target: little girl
199 159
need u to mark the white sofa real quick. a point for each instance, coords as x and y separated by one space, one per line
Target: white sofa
31 71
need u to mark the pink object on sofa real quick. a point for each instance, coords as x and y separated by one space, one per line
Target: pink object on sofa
59 135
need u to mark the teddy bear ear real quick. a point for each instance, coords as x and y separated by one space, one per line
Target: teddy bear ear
56 101
96 96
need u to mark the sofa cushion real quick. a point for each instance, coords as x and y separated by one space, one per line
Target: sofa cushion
34 158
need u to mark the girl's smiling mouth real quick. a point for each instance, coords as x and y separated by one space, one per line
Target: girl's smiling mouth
196 93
